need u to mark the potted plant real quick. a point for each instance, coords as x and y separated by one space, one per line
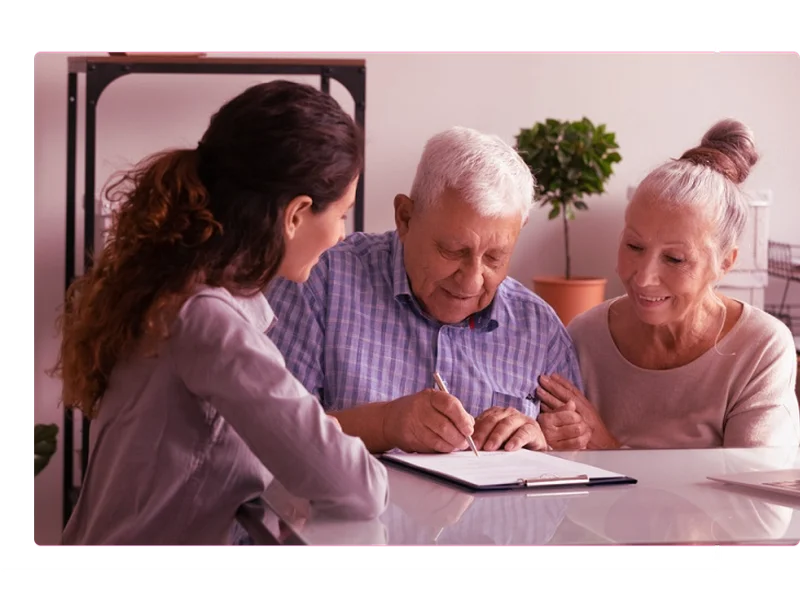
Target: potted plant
44 445
570 161
45 438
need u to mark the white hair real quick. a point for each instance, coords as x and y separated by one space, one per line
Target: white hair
486 172
707 178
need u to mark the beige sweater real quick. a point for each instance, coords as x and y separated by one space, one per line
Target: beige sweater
737 395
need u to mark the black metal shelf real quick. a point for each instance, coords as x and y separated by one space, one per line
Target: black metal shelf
100 72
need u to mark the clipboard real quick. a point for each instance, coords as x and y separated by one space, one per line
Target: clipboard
502 470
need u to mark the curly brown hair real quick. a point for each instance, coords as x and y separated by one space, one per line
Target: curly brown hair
210 215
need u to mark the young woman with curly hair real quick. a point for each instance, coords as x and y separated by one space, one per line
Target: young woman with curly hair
163 340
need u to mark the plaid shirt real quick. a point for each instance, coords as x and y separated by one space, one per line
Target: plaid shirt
354 333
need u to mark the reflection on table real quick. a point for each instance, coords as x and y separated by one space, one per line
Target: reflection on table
672 503
675 503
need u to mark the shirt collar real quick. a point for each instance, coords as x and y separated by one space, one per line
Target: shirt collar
256 310
485 320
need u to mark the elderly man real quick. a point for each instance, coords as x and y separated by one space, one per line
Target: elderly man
381 313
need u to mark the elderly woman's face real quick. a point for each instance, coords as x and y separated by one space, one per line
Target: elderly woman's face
664 261
454 257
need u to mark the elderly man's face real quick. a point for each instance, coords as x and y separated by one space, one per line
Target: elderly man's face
454 257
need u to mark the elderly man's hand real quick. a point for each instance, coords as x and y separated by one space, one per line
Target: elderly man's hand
428 421
507 428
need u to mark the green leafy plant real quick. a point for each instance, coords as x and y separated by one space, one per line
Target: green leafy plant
44 446
570 160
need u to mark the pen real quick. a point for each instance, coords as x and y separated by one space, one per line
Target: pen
443 387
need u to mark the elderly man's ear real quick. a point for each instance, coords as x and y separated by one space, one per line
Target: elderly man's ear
403 208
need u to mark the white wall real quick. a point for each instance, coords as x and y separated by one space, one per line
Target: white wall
658 104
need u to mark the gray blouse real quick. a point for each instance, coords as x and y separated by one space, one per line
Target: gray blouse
183 438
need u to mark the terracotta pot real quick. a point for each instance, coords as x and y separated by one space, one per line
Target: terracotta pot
570 297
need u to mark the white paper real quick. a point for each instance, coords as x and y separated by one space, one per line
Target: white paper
501 467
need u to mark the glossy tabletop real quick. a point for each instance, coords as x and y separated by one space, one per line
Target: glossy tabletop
672 503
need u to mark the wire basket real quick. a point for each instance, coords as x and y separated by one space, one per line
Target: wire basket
783 262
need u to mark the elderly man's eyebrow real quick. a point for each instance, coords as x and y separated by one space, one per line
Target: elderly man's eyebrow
452 243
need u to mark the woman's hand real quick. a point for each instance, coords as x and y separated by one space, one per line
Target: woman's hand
564 428
557 393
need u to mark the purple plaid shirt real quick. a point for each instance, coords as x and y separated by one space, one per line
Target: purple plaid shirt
354 333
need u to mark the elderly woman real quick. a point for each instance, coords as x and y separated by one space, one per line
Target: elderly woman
673 363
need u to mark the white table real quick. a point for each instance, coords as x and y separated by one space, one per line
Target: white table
672 503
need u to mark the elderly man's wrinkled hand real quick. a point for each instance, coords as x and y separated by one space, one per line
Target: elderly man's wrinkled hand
428 421
507 428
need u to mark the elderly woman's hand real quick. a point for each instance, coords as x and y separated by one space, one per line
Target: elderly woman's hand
557 394
564 428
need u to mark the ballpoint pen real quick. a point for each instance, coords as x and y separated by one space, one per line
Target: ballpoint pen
443 387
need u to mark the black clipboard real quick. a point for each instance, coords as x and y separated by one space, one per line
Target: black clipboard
561 472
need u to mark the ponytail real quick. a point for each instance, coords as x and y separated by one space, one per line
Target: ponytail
145 271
